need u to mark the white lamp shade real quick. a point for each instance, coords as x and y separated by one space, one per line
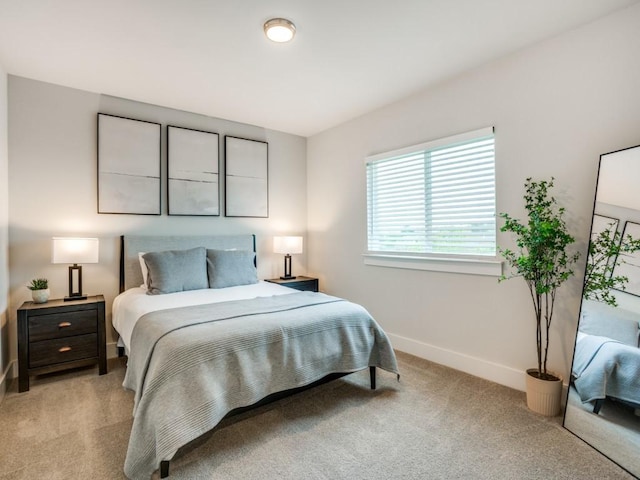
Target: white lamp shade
74 250
287 245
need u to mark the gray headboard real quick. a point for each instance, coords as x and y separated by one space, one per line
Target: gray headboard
131 245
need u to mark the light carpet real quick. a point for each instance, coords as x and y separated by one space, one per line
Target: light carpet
436 423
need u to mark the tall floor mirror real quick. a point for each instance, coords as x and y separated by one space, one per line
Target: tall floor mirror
603 403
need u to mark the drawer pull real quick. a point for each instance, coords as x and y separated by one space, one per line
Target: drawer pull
64 349
64 324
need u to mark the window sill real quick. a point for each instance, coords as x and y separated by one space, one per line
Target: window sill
471 266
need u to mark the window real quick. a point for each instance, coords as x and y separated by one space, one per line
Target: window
434 199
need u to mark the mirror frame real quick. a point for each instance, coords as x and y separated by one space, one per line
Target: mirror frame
581 413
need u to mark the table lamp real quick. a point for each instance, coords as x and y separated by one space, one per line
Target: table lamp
74 251
288 246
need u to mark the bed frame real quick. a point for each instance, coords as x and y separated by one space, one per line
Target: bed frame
131 276
597 404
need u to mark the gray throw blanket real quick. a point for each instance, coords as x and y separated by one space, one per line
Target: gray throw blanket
191 366
604 367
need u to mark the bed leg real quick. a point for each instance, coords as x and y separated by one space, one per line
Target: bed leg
164 469
372 376
120 352
598 405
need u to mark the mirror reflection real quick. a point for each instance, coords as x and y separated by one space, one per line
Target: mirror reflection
603 404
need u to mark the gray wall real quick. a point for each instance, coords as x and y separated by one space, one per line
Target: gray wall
4 236
555 107
53 191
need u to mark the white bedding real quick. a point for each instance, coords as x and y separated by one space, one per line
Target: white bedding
132 304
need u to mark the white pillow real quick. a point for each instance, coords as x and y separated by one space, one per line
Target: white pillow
145 270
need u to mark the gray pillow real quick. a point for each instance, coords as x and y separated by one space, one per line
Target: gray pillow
176 270
228 268
597 318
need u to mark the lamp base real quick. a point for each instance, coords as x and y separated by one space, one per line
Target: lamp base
75 272
75 297
287 268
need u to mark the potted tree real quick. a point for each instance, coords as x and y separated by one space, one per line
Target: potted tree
39 290
543 261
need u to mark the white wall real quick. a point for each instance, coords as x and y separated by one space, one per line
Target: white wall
53 191
4 236
555 107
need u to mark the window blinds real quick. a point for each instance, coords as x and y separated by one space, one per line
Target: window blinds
437 197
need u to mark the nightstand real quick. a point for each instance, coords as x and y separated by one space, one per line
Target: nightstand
299 283
59 335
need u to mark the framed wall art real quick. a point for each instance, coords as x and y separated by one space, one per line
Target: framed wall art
602 223
629 265
128 166
246 178
193 186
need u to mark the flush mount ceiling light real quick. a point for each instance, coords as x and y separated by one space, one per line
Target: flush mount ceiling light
279 30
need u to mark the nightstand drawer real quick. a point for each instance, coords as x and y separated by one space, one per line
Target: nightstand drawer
61 350
59 325
299 283
309 285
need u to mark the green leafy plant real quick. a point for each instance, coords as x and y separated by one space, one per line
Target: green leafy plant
541 258
38 284
607 250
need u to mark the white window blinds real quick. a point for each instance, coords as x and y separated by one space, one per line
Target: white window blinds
434 198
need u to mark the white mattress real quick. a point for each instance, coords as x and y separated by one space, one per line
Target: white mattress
132 304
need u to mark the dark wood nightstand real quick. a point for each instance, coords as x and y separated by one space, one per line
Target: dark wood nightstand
58 335
299 283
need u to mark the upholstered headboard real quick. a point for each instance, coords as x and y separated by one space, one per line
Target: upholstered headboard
131 245
597 318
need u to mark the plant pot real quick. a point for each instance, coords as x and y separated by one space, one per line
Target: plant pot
40 296
543 396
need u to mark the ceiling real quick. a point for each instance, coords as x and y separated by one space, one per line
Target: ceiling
211 57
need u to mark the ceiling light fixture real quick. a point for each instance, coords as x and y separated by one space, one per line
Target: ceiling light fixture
279 30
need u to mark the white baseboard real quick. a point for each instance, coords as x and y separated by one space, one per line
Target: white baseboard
477 367
474 366
112 350
494 372
9 373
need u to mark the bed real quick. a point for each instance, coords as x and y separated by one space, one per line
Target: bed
201 347
606 363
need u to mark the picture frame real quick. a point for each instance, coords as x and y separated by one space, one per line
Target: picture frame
193 172
246 177
128 165
602 223
630 266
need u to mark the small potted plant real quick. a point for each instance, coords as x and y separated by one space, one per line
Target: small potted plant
543 261
39 290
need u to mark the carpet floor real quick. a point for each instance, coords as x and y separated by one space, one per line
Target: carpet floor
436 423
